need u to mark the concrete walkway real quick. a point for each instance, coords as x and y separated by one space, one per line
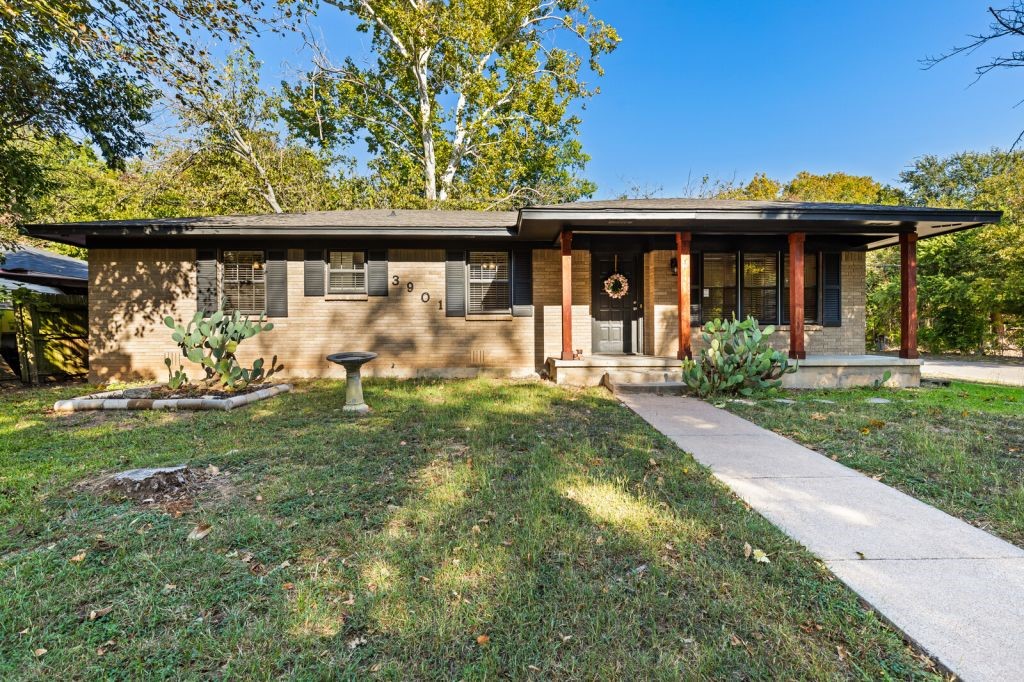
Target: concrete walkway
953 589
1008 373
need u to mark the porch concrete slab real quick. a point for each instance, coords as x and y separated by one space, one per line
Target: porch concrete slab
965 612
955 590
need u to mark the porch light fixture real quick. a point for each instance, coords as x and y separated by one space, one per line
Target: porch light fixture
673 265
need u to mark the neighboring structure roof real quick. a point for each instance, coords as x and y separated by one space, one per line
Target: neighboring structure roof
11 284
32 263
872 225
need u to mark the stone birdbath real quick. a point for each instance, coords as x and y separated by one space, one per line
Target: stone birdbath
352 362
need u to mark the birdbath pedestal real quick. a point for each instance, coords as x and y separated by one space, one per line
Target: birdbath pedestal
352 362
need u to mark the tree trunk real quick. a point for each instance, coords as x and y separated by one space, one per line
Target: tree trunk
426 129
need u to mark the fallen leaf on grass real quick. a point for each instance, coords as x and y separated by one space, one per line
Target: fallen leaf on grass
78 558
375 668
39 652
841 650
351 600
169 587
200 532
101 650
483 640
747 549
819 417
99 613
288 586
356 642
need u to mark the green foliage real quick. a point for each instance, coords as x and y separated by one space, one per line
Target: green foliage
971 283
735 357
90 69
467 102
805 186
212 343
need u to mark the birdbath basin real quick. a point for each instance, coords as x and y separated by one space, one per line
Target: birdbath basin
352 362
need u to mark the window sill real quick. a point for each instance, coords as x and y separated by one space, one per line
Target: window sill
347 297
489 317
808 326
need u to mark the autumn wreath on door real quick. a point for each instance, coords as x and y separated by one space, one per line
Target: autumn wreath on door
616 286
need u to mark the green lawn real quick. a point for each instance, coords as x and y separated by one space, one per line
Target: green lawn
960 448
470 530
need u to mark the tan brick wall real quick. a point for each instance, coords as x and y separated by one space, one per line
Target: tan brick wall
132 290
662 337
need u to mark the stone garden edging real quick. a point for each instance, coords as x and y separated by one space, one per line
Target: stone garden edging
108 401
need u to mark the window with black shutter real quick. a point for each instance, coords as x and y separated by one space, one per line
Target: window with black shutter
346 272
243 282
488 285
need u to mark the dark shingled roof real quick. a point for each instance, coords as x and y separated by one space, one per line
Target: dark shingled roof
391 218
873 225
743 205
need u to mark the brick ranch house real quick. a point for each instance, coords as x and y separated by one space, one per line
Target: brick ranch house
461 293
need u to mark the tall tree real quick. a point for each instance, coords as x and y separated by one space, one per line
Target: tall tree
226 112
1007 27
471 96
89 69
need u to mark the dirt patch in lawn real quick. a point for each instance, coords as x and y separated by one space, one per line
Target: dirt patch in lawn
173 489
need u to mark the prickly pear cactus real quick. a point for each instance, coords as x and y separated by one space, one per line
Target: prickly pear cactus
212 342
736 358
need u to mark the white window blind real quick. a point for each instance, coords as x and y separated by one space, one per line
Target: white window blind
346 272
488 282
244 283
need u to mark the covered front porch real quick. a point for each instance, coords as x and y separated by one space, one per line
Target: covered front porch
806 278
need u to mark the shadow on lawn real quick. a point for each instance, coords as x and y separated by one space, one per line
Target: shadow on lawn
557 525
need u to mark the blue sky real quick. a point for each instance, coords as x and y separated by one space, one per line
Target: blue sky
730 89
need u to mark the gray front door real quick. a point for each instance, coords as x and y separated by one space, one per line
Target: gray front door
615 327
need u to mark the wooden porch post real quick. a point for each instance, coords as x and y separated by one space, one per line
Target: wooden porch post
908 295
566 239
683 289
796 296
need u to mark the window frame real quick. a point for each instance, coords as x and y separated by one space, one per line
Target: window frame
507 310
328 271
742 312
223 282
782 256
737 264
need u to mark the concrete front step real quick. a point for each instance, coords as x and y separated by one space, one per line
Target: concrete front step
651 387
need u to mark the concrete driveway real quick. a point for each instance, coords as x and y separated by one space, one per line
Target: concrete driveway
1008 372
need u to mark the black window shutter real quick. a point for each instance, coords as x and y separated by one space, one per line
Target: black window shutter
832 296
313 273
522 283
277 283
377 273
455 284
206 281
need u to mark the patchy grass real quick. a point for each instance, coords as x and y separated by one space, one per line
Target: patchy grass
960 448
465 530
